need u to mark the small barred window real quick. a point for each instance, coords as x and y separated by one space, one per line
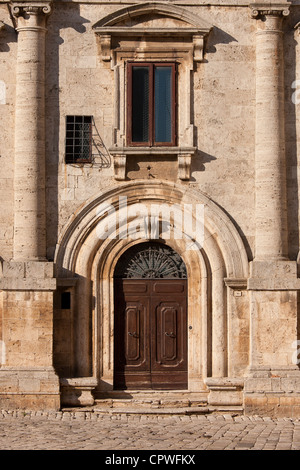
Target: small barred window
78 139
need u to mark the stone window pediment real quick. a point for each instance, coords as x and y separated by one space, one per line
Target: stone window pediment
152 32
152 20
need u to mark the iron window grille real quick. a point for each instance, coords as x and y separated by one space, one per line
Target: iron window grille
151 110
79 139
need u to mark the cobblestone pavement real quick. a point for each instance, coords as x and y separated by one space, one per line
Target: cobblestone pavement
79 430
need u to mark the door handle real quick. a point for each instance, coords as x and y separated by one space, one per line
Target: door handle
132 334
171 335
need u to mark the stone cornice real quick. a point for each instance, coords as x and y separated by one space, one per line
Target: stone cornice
115 25
259 10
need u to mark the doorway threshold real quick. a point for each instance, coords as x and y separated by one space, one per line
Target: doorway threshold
152 402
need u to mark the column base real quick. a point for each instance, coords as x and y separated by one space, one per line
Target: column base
78 391
29 388
273 391
225 391
27 377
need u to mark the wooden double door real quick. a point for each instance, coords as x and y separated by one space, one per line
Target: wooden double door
150 334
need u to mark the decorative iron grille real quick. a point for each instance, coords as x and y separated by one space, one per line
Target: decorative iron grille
78 139
150 260
84 144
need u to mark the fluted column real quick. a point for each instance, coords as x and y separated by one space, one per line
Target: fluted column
29 169
270 178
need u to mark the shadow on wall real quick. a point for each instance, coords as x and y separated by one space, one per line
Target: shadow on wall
63 17
291 44
7 35
217 36
199 161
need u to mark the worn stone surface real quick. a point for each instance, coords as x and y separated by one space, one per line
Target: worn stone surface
235 155
90 431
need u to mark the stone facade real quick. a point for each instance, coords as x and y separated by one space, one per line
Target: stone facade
238 72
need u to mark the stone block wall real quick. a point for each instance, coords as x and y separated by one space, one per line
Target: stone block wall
223 96
236 111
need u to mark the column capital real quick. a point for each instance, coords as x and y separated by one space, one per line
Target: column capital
262 10
30 14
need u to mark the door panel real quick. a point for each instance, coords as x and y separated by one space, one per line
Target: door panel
131 333
168 334
134 287
165 339
150 334
169 344
167 287
133 319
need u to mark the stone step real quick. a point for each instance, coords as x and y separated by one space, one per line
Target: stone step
151 399
153 402
152 410
160 410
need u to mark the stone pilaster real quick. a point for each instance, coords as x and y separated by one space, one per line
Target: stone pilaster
27 377
273 378
29 171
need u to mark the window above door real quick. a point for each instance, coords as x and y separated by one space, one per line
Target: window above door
152 49
151 104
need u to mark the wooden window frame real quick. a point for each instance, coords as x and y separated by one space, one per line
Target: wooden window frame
151 142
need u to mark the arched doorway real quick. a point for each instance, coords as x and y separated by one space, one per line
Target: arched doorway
218 321
150 319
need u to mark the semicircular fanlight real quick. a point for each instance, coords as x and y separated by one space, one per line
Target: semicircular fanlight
150 261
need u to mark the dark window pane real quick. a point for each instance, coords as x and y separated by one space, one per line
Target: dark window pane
163 104
140 104
78 138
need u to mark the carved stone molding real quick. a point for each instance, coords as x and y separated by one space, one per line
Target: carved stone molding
105 43
107 34
115 26
198 41
184 166
260 10
236 283
119 167
184 158
30 15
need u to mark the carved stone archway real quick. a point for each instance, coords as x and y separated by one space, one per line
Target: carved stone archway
213 269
